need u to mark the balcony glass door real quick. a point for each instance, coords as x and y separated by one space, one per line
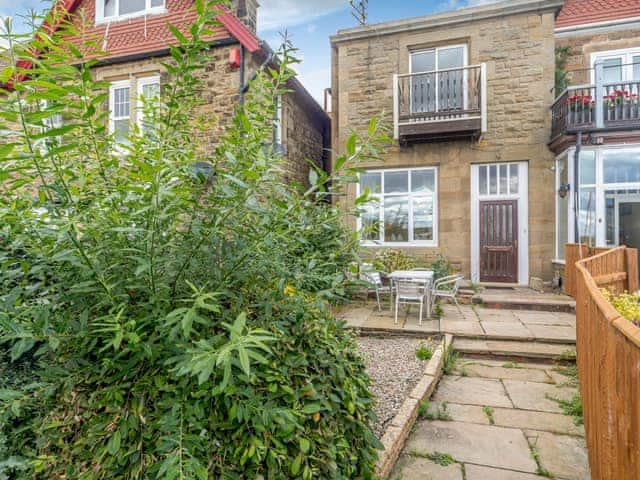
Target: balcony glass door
439 85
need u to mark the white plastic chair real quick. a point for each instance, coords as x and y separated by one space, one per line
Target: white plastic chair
410 292
446 287
375 280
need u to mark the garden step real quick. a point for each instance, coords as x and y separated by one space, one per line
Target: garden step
513 349
506 302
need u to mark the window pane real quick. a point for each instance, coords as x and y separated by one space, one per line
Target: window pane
151 90
121 102
396 219
513 178
504 177
396 182
121 131
493 179
636 67
586 216
423 181
370 217
587 168
422 219
621 166
423 62
450 58
157 3
131 6
109 8
612 70
483 180
371 180
623 217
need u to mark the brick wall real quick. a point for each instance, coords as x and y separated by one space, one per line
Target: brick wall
519 52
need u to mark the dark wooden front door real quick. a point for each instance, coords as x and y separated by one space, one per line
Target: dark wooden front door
499 241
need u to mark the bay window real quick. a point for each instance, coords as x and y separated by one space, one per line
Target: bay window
402 209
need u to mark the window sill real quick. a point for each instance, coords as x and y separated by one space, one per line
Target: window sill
122 18
399 245
557 261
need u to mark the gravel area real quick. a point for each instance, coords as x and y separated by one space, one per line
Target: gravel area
395 370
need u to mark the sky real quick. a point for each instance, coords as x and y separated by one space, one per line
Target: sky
309 24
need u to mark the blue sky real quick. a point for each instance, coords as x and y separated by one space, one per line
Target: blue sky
309 24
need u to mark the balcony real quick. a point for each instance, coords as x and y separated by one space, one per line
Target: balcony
596 108
440 105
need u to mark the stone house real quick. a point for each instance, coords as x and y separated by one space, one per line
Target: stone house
472 173
136 37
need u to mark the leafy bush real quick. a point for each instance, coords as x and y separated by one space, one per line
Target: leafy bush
391 260
177 325
424 352
627 305
441 267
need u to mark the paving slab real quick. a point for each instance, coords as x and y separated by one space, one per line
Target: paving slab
480 444
561 455
537 396
477 369
553 332
489 362
462 327
532 350
412 323
472 391
416 468
527 419
495 315
510 330
461 413
477 472
545 318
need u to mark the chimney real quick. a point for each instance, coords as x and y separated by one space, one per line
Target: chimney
247 12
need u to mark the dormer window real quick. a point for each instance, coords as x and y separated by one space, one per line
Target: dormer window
109 10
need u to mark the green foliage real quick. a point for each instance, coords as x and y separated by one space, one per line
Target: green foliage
173 325
561 81
627 305
450 360
488 411
424 352
442 459
391 260
441 413
441 267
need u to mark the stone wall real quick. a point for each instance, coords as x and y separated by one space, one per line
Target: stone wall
583 45
518 50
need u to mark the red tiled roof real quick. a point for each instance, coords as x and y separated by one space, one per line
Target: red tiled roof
582 12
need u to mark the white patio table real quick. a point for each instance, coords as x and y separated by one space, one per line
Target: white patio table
425 276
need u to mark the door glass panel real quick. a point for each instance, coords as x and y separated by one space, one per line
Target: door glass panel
612 70
423 181
587 167
450 58
586 216
451 86
396 219
371 181
621 165
423 219
396 182
513 179
423 87
623 217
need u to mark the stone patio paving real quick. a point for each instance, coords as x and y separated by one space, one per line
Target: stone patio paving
499 422
469 321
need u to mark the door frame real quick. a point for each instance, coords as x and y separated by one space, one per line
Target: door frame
523 219
618 199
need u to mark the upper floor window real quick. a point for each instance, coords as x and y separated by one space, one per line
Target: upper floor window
619 65
107 10
120 111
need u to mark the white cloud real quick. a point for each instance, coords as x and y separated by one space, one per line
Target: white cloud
279 14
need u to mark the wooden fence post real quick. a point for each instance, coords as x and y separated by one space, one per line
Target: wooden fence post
632 269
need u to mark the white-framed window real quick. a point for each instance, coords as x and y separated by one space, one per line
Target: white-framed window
619 65
403 210
110 10
277 122
148 91
498 180
120 111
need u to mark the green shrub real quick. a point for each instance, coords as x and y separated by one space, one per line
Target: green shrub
391 260
424 352
176 326
627 305
441 267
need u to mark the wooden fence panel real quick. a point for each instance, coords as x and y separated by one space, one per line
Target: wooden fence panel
608 349
573 253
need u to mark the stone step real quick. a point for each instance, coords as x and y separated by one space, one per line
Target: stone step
507 302
513 349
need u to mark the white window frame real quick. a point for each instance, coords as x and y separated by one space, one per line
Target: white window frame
141 83
626 54
570 231
380 197
277 122
112 88
149 10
